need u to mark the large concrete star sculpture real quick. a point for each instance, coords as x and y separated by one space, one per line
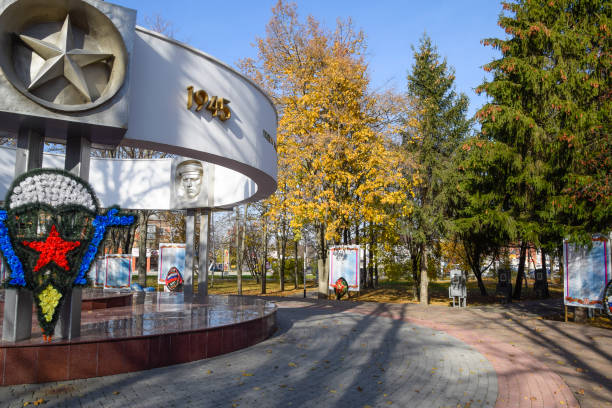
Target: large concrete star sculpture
62 59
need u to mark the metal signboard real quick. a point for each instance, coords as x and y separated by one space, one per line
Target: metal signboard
170 255
587 271
344 263
118 271
226 260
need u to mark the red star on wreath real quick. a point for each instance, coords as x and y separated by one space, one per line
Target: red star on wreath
53 249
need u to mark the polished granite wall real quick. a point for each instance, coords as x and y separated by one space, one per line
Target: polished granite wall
156 330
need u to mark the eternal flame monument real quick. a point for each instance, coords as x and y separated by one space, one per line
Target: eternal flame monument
82 74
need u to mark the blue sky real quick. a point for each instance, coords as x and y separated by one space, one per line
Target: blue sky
227 31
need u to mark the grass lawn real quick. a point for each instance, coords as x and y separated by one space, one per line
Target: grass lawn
389 292
228 286
403 292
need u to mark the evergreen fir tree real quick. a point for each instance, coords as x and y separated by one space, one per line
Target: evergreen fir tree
477 206
441 126
551 113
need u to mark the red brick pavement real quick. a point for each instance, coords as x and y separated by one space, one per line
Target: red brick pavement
532 385
539 363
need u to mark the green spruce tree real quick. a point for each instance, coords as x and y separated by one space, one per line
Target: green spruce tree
476 206
550 115
441 125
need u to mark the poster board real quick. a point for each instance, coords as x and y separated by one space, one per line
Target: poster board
344 262
98 273
586 273
170 255
226 260
118 271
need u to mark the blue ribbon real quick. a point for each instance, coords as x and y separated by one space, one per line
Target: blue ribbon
17 276
100 223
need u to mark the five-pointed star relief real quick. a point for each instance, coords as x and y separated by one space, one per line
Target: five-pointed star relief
54 248
62 59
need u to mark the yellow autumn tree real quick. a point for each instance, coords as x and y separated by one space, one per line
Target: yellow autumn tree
339 170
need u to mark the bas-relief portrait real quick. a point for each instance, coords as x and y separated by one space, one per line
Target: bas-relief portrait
189 190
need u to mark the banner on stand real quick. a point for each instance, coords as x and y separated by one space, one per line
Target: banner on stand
170 255
226 260
118 271
98 273
344 263
587 271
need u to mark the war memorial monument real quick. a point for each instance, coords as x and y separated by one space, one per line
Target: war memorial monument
81 73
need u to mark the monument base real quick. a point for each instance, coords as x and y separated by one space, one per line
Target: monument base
17 314
156 330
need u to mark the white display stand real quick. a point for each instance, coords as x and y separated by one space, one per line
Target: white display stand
170 255
119 269
344 263
587 271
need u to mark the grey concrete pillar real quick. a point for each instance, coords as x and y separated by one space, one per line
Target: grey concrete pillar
69 323
323 270
189 254
203 261
78 150
17 319
30 147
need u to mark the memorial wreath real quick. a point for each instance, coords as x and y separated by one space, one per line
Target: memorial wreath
50 232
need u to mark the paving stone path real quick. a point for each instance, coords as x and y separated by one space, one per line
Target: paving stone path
320 357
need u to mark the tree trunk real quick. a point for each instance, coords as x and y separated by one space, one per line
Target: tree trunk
282 254
242 239
238 273
473 255
322 271
265 259
561 264
295 267
424 298
143 218
376 275
373 245
414 258
129 242
481 286
370 268
322 247
370 277
521 272
212 248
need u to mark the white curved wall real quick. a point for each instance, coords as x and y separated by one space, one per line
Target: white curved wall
139 184
243 162
158 118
